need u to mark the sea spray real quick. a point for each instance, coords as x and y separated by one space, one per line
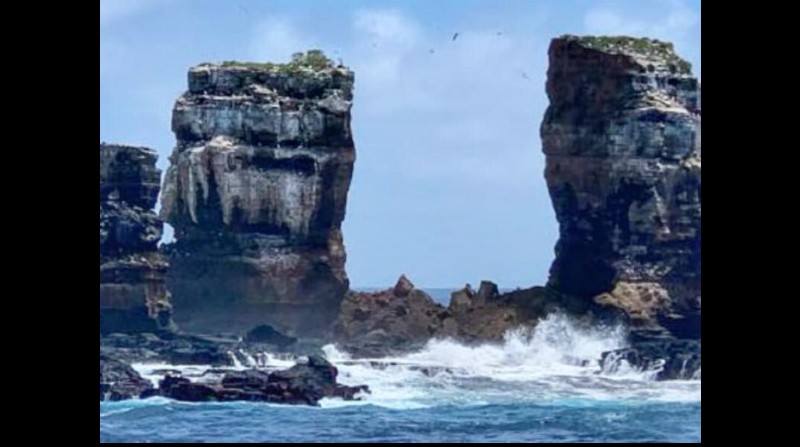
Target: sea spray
558 359
558 362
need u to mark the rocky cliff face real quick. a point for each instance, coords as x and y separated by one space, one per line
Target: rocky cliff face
133 297
256 192
622 140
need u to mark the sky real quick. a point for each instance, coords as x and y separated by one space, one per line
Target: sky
449 183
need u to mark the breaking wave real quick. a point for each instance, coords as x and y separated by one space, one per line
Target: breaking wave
542 385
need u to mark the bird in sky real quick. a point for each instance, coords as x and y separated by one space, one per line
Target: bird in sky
455 36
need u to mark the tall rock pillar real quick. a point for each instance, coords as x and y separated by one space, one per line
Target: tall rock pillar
256 192
133 297
622 141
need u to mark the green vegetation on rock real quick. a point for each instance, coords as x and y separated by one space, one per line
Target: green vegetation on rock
649 48
314 60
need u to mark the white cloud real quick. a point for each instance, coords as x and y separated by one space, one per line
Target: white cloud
387 28
675 24
115 10
275 39
462 104
384 38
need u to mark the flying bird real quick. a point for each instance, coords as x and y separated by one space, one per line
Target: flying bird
455 36
525 75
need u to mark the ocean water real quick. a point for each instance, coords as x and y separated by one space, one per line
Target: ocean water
545 385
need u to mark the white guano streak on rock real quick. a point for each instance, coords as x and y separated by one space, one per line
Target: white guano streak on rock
280 198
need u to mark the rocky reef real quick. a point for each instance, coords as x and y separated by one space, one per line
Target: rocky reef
256 192
306 383
133 297
668 360
396 320
118 381
622 141
403 318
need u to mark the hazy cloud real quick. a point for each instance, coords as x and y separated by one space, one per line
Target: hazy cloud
670 20
275 39
460 104
114 10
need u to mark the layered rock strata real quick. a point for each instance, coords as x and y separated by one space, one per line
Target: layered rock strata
133 296
256 192
622 141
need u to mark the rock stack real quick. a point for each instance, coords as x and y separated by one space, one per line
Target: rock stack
133 297
622 140
256 192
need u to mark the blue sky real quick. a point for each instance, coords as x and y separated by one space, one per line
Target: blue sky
448 185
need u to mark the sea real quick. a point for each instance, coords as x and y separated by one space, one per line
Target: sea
545 385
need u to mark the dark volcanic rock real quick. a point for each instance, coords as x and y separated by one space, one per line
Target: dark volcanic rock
403 319
256 191
213 356
376 324
482 316
303 384
403 286
176 349
133 297
622 140
118 381
268 335
488 315
673 359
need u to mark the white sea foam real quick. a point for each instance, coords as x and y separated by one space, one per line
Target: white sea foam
557 363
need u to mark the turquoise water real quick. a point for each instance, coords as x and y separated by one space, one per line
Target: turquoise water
163 421
537 386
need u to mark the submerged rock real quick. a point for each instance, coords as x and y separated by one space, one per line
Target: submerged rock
267 335
668 359
118 381
303 384
175 349
622 140
133 296
256 192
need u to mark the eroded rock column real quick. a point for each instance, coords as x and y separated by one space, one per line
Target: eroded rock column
622 140
256 192
133 297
